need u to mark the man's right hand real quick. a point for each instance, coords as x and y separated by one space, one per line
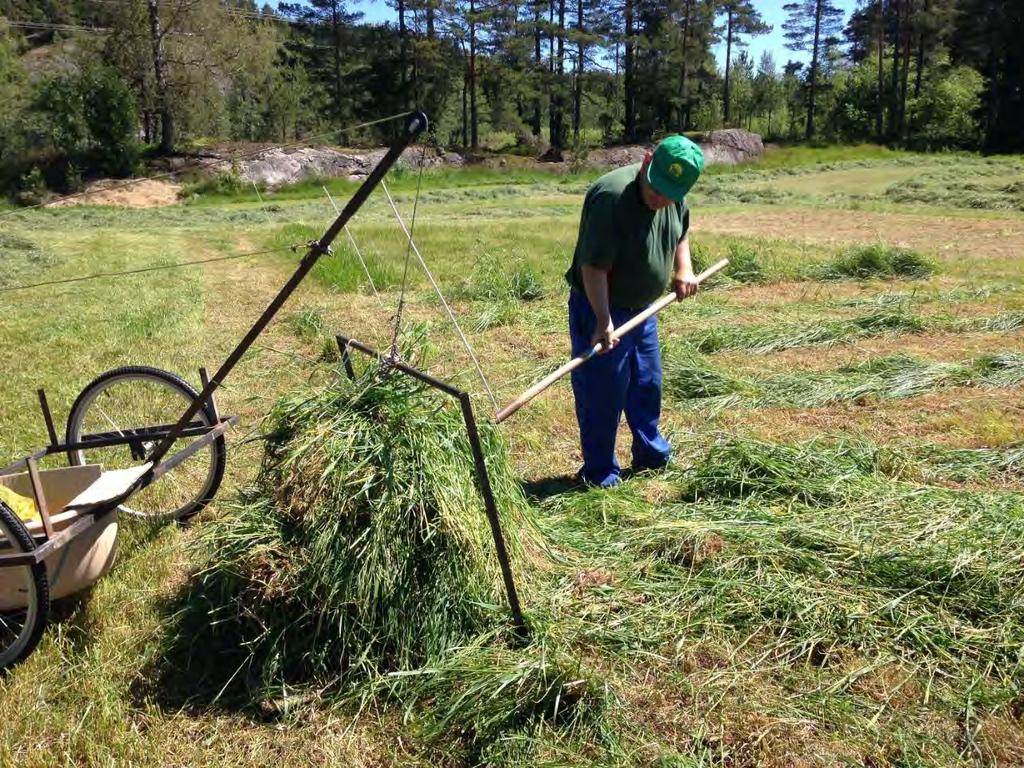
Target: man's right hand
603 331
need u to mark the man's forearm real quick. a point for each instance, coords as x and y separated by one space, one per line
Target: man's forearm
684 265
595 286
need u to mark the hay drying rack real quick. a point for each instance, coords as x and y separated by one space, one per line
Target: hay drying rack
72 543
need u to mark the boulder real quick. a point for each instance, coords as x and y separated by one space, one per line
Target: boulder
730 146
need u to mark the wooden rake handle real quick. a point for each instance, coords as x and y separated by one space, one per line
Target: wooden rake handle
618 333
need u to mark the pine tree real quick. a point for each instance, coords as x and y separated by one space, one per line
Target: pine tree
813 27
741 18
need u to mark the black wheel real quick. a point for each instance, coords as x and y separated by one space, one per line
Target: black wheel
128 401
24 593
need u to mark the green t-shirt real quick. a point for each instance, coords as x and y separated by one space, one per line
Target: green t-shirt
620 233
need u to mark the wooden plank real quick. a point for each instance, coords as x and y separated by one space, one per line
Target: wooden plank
40 497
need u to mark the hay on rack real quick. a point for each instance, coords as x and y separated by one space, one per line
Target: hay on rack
363 546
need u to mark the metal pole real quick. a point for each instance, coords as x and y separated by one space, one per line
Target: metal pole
492 515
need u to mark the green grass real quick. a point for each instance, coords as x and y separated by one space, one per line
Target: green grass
768 600
878 261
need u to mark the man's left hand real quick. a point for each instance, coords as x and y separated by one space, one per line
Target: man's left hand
684 284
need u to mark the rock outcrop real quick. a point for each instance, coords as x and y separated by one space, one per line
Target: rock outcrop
730 146
278 167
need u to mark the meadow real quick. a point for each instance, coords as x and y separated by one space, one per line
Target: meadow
831 572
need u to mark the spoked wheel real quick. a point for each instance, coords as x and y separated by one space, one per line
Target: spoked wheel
131 402
24 593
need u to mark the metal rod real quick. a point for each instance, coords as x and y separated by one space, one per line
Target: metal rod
437 289
195 446
417 124
109 439
346 358
580 359
444 386
492 515
355 247
47 417
204 379
483 479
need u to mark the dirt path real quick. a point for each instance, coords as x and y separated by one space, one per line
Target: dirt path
932 234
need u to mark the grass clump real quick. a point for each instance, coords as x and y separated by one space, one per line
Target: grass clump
689 376
362 547
495 700
734 468
745 262
863 262
341 270
494 279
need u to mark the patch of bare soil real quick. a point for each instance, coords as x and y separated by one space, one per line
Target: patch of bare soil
942 235
145 193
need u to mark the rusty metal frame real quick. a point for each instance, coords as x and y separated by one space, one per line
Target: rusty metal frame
480 464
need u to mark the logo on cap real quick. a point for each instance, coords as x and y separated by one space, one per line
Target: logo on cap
675 170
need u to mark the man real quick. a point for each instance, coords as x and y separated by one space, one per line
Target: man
632 241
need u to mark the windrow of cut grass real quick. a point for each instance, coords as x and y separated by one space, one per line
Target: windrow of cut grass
690 377
887 320
753 261
788 577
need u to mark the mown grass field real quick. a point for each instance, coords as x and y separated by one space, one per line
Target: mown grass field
830 573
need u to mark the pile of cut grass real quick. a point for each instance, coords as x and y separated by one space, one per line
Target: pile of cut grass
863 262
363 547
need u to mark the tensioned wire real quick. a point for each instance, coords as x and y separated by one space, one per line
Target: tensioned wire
196 262
410 249
141 270
437 289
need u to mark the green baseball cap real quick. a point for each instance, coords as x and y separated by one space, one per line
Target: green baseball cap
675 167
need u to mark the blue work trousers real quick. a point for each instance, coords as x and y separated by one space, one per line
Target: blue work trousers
626 379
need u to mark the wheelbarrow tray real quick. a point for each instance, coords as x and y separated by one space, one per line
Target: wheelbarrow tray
84 541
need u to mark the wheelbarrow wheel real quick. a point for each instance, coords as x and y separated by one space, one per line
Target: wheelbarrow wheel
24 593
130 402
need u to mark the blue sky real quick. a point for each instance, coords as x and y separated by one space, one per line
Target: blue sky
771 11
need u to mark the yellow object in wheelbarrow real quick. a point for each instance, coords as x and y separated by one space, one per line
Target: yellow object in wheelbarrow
22 506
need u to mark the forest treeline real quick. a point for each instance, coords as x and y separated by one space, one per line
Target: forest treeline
89 85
